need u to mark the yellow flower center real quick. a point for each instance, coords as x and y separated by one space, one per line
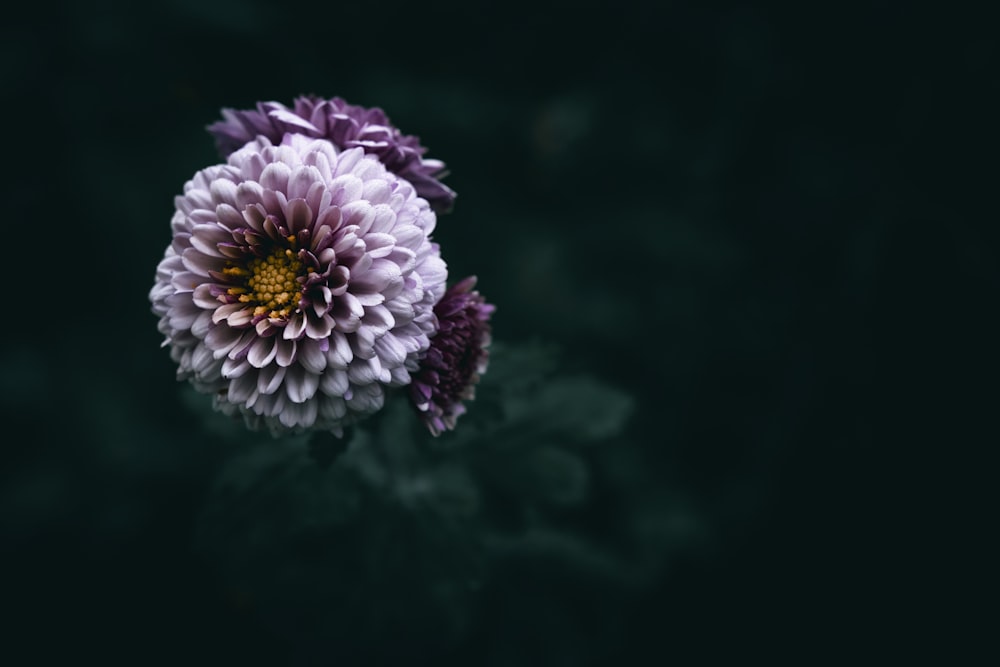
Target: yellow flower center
270 283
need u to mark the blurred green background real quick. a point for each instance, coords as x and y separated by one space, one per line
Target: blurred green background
764 235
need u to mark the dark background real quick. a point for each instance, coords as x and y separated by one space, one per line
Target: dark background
772 227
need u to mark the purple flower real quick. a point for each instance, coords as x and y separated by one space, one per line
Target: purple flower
347 126
458 355
300 284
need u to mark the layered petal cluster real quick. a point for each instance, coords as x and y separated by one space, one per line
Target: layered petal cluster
458 355
346 126
300 283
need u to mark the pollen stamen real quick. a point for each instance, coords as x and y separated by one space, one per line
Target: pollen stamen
270 282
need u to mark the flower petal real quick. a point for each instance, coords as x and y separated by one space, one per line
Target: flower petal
339 354
300 384
298 215
269 378
319 327
311 356
275 177
285 351
334 382
295 328
262 352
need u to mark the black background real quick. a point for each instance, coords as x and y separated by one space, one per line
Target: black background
773 226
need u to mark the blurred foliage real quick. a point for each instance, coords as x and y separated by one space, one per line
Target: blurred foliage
416 536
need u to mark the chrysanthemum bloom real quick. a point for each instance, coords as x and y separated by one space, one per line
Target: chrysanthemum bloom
300 283
347 126
458 355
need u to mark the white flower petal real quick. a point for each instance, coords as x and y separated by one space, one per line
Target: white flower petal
285 351
205 238
319 327
241 387
223 312
298 215
334 382
248 195
300 384
295 328
400 377
200 264
275 177
301 180
239 318
390 350
377 192
348 160
202 297
223 191
378 319
262 352
310 356
346 188
269 378
340 354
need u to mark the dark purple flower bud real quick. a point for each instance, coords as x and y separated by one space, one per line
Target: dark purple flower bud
457 356
346 126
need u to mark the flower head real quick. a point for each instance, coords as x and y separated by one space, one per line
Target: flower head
300 283
347 126
458 355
